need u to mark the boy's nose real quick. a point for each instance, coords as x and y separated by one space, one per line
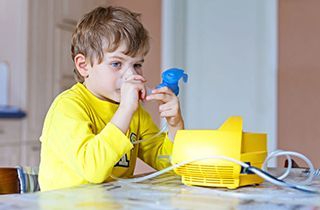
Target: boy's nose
128 72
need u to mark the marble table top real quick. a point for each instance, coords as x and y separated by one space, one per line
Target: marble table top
164 192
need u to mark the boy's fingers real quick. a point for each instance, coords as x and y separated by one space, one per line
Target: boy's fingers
135 81
163 90
160 97
135 77
168 113
166 107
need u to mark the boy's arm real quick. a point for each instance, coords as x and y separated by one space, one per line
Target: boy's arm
151 150
70 137
173 130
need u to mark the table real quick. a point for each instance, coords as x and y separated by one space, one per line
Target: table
164 192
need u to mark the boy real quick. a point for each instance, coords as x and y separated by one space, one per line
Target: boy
90 129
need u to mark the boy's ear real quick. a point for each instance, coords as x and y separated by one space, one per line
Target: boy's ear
81 65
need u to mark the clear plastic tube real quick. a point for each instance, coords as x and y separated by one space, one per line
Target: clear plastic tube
163 129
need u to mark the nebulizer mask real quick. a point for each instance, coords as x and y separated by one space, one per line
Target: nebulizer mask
170 79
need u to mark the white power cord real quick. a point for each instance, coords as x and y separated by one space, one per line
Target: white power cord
288 154
263 174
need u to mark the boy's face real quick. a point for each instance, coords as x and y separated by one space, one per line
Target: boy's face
105 79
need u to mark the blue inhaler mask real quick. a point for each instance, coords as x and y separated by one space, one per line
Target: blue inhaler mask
171 77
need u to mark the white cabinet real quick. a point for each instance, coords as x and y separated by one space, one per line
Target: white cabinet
9 155
30 154
10 137
10 131
14 149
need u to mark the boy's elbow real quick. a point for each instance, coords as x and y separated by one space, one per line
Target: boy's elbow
94 169
96 172
96 177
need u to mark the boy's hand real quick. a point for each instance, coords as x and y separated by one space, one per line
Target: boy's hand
169 108
132 90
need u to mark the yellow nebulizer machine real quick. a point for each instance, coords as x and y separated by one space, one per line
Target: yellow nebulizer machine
228 141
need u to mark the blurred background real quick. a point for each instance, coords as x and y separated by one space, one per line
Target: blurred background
255 58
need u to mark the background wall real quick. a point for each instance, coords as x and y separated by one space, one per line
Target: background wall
299 77
228 48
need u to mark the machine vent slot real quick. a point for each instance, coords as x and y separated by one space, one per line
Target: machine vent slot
206 171
208 181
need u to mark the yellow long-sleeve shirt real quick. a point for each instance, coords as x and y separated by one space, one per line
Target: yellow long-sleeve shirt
80 145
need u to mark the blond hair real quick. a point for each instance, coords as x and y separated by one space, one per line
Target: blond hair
105 29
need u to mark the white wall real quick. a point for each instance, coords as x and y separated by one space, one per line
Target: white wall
228 48
13 46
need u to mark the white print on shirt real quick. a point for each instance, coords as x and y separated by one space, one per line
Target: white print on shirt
133 137
123 162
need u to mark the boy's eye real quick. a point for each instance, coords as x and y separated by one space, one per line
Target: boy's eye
138 65
138 68
116 64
